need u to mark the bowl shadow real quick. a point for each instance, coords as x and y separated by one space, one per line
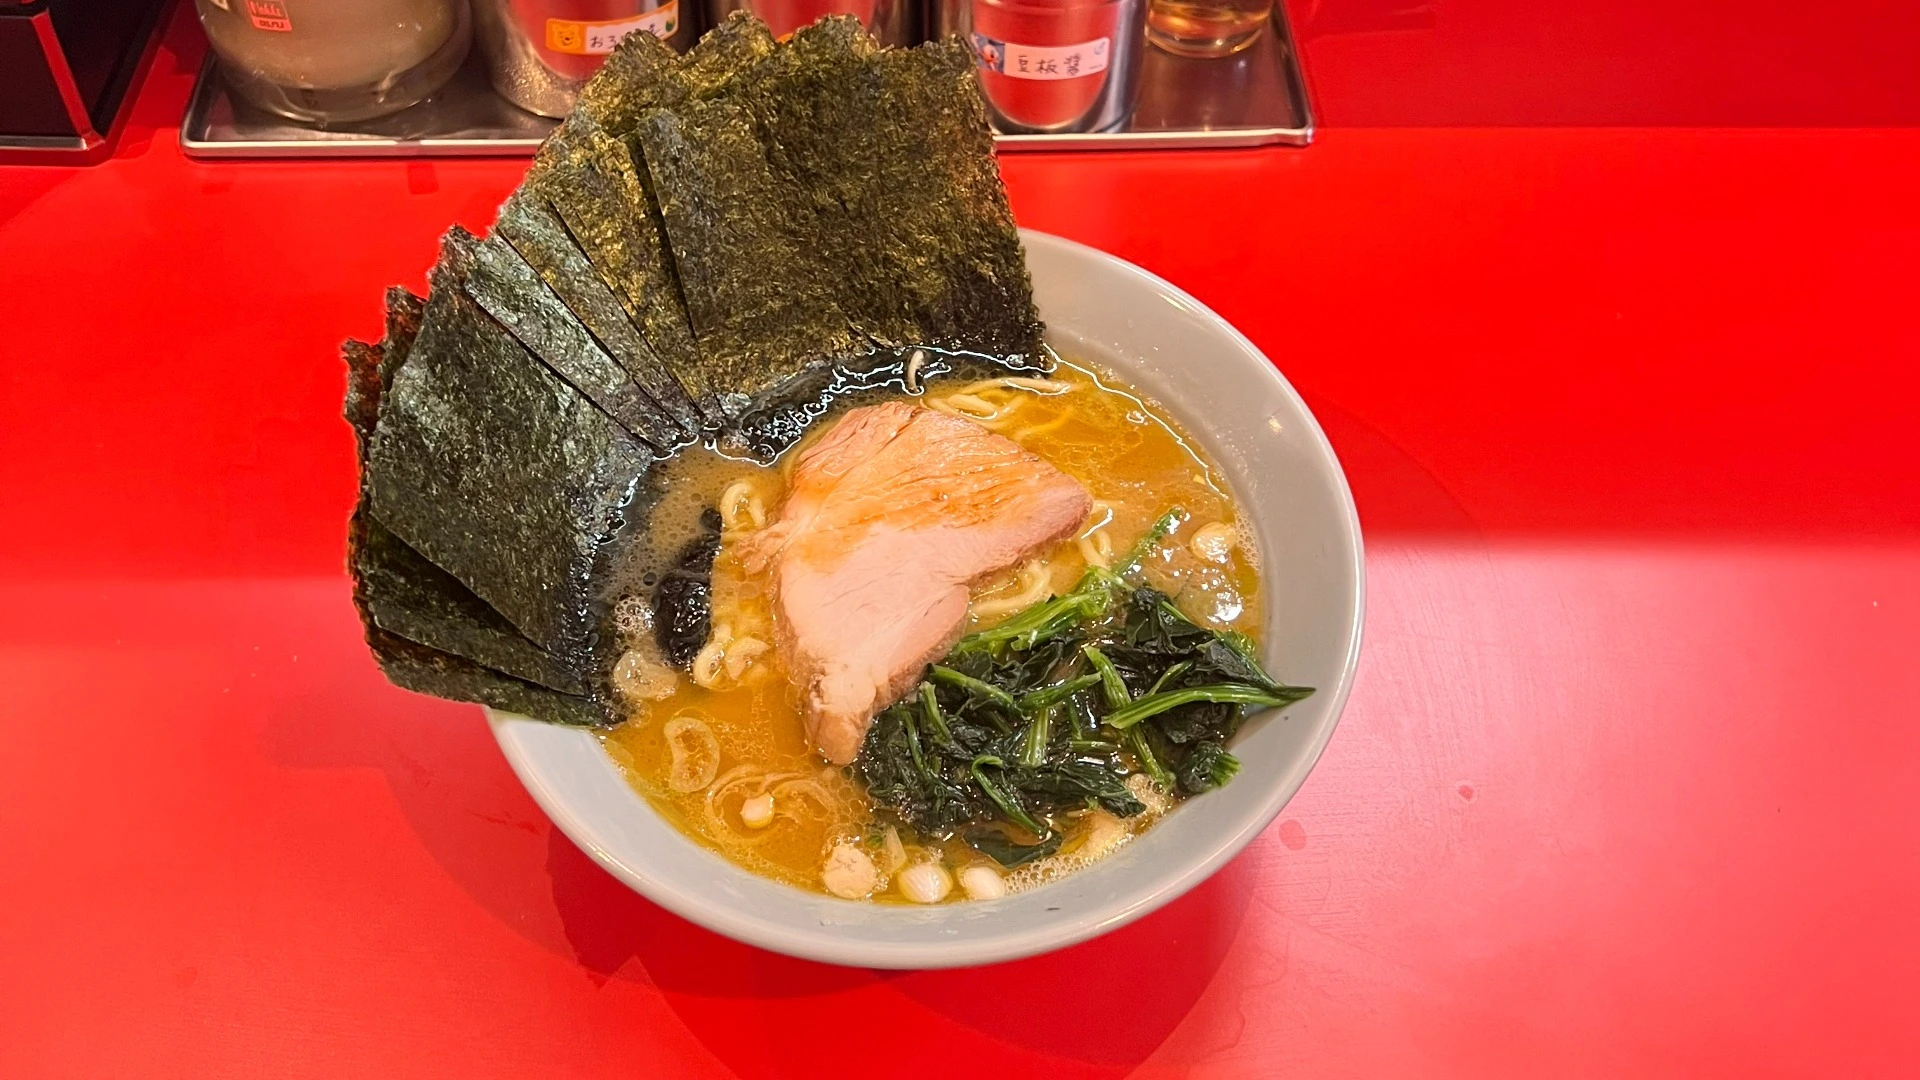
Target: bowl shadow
1109 1007
758 1012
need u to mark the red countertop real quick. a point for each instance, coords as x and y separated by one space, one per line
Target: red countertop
1629 784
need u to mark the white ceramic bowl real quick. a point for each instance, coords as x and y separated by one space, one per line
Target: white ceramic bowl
1286 478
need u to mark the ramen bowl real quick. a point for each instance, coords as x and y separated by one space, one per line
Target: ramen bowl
1111 314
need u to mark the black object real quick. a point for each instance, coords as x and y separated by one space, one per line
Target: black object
591 180
67 72
759 303
683 601
528 223
427 630
412 666
889 157
505 476
403 593
502 283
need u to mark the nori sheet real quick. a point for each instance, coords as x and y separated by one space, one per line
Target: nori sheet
529 223
757 300
397 589
987 305
588 171
505 476
402 592
502 283
640 75
889 154
718 61
363 388
404 311
624 245
413 666
661 306
370 367
596 145
628 83
727 230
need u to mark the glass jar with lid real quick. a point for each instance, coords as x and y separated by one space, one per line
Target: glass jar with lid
336 61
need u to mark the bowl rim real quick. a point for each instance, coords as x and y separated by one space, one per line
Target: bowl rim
965 950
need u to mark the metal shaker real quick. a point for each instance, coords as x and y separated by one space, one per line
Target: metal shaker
891 22
541 52
1051 67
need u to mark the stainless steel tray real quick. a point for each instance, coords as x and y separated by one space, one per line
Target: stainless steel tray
1255 98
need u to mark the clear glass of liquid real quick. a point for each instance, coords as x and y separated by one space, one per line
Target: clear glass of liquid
1206 27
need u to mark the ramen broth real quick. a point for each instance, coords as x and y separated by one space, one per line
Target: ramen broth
1131 457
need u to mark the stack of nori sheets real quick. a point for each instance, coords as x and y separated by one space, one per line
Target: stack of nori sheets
705 239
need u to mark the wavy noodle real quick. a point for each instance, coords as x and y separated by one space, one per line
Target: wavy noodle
742 652
717 790
1096 548
970 407
798 799
970 403
708 663
785 791
1021 435
739 776
911 379
741 508
1018 388
1034 579
1044 387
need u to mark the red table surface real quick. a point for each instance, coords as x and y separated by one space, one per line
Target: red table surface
1629 784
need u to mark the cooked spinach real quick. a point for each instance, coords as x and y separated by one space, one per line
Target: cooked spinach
1208 765
1053 709
999 847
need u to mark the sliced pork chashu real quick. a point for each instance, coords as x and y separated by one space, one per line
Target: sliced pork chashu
890 516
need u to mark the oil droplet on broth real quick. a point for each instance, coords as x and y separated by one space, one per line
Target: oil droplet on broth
1132 459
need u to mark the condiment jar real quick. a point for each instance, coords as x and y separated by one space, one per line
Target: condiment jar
336 61
891 22
1052 66
541 52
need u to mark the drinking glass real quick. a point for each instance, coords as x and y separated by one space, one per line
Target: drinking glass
1206 28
